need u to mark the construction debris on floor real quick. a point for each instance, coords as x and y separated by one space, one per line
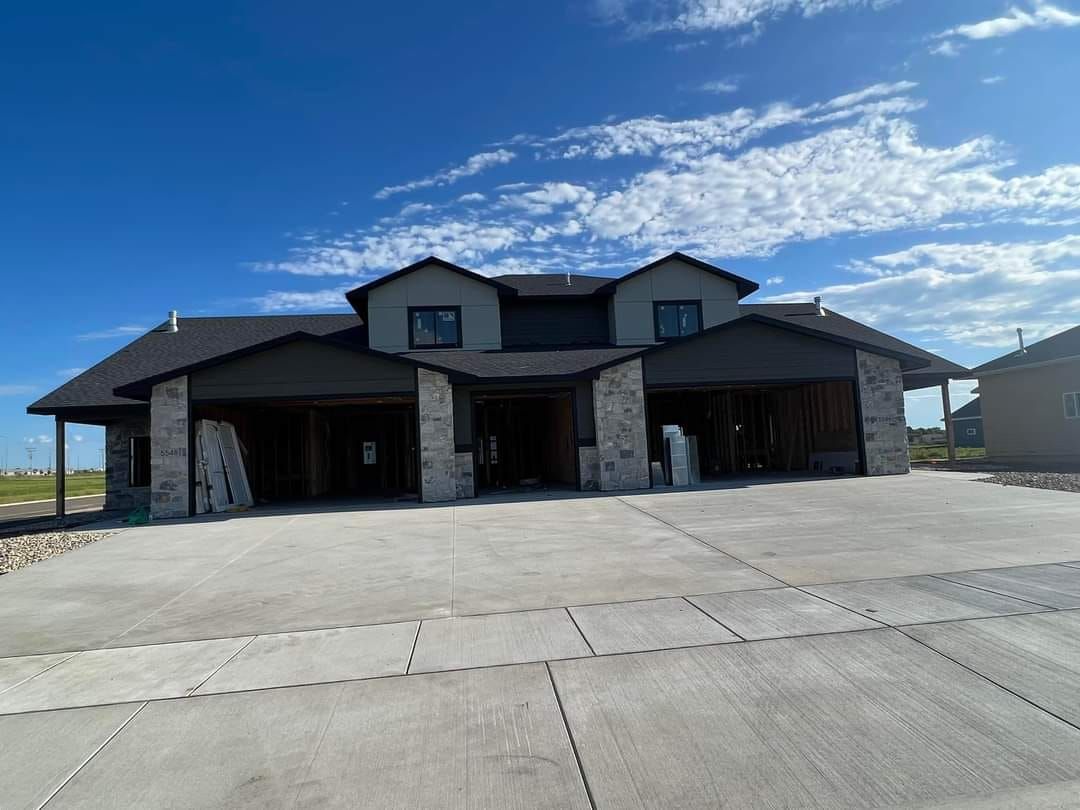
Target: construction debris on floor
1065 482
25 549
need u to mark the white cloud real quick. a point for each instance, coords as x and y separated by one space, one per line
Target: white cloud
545 198
774 280
415 208
1042 15
473 166
129 330
475 196
294 301
70 372
972 294
992 79
720 86
682 47
871 176
946 48
677 140
644 17
13 390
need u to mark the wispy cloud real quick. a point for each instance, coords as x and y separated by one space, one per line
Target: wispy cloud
12 390
645 17
946 48
1041 15
303 301
70 372
720 86
774 280
974 294
128 330
992 79
473 166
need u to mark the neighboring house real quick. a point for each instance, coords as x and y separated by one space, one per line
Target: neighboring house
1031 401
445 383
967 424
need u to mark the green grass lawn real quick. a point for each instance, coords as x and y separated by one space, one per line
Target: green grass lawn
930 452
14 489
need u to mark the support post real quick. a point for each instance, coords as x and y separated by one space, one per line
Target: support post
946 407
61 466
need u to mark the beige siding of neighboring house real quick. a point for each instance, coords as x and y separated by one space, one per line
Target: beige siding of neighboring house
1024 415
632 304
433 286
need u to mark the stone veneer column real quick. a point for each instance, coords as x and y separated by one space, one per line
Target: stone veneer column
589 463
884 426
463 475
438 465
118 435
169 481
621 439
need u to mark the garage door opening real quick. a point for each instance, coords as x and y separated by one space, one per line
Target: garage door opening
751 430
524 441
327 449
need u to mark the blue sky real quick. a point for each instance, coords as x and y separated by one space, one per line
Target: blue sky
915 162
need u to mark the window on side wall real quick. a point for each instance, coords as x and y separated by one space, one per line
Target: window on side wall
1072 405
434 327
676 319
139 461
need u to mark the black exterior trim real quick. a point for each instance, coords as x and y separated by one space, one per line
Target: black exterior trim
434 346
744 285
411 395
90 414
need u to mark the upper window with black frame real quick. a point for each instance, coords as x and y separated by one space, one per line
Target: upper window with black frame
435 327
676 319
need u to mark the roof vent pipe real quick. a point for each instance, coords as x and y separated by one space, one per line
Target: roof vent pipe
817 305
1020 338
172 327
567 278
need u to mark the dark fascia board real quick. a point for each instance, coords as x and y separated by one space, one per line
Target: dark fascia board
744 285
360 293
140 389
907 361
91 414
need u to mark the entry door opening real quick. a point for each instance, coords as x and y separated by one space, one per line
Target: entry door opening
327 449
524 441
746 430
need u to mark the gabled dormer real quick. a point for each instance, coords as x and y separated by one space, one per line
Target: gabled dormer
672 297
431 304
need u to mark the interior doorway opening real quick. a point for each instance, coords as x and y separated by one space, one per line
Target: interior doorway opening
751 430
324 449
525 441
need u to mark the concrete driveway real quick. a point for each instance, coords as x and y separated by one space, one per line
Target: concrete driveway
887 642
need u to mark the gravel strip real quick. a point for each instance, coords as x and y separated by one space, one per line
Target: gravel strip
25 549
1065 482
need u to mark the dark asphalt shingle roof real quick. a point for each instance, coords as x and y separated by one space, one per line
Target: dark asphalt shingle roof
834 324
1056 347
552 284
198 339
561 362
970 410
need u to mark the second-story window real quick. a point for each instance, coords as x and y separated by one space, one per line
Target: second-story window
676 319
434 327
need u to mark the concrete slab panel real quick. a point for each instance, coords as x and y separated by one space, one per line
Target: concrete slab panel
522 556
14 671
658 624
812 531
122 675
866 719
501 638
1056 586
39 751
477 739
913 600
317 656
234 575
1038 657
779 612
